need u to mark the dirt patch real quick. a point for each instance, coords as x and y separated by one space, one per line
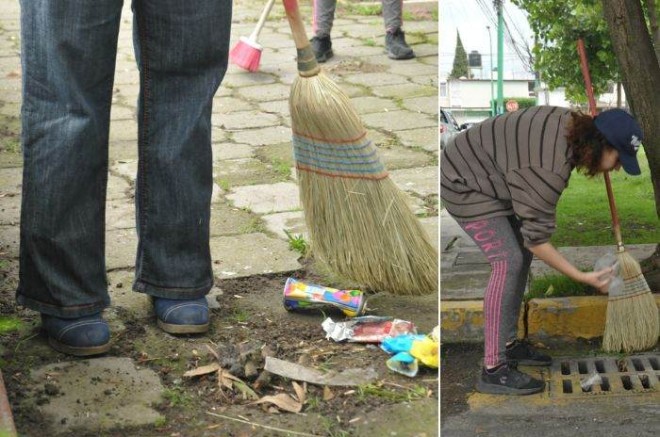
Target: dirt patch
249 319
350 66
460 366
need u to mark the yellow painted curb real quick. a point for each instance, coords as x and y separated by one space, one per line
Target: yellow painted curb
463 321
567 317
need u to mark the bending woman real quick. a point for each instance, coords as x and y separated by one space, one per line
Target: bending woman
501 180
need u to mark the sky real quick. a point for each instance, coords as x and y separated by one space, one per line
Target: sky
469 17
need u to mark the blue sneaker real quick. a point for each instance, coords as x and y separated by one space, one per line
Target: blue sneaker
188 316
82 336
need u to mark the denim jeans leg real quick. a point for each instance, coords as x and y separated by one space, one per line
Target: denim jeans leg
182 50
68 58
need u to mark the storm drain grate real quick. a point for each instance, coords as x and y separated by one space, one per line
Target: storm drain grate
636 374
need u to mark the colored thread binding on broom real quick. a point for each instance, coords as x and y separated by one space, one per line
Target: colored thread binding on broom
358 160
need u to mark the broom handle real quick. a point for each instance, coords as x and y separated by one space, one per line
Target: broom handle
307 65
262 20
606 175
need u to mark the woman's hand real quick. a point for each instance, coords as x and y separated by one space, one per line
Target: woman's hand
600 280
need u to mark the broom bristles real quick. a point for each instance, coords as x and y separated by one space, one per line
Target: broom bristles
246 54
633 322
359 222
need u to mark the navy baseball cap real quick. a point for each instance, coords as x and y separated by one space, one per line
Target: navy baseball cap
622 131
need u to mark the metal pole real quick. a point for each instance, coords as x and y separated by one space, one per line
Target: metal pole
500 57
492 90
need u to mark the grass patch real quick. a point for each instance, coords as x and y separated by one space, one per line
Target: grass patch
583 214
176 397
398 395
557 285
366 10
281 167
370 42
9 324
240 315
224 184
254 225
11 145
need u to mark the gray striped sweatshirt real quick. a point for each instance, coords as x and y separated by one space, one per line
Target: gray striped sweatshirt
516 163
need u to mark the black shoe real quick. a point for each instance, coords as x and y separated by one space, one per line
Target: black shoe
507 380
396 47
322 47
524 354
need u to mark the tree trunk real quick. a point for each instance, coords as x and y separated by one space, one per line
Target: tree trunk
640 73
653 21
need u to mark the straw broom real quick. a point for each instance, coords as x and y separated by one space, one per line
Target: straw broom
359 222
632 322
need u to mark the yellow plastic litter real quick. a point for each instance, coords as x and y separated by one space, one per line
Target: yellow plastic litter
426 351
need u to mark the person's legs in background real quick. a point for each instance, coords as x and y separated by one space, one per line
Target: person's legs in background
498 239
68 52
182 50
395 39
323 17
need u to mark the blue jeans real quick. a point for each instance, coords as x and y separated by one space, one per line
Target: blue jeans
68 58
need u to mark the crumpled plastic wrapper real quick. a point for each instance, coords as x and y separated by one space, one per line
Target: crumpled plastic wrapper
409 351
367 329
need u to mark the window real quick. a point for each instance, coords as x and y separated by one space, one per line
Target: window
443 89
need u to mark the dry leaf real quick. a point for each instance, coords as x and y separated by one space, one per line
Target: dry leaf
283 401
327 393
300 391
213 352
225 379
203 370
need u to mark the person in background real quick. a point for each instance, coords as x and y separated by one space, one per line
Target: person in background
68 53
501 180
395 39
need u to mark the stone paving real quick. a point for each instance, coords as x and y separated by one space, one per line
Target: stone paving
255 194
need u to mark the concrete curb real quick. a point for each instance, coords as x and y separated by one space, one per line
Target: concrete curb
552 319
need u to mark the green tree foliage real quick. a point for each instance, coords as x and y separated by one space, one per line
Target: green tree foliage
557 25
460 68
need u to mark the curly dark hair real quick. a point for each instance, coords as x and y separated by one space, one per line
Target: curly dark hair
587 143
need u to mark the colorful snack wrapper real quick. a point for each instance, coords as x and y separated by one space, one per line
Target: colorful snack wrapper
302 296
367 329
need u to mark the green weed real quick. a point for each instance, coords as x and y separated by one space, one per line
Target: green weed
297 243
176 397
556 285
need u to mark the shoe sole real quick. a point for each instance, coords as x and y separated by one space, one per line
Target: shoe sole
495 389
182 329
325 56
400 58
78 351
